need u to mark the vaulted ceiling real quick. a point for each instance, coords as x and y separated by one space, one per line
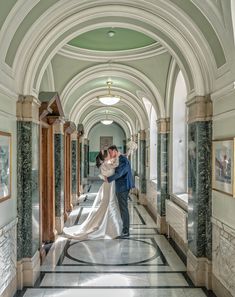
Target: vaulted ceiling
74 47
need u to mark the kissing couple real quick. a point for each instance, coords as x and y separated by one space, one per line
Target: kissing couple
109 215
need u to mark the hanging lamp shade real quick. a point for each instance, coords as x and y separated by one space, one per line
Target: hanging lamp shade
109 99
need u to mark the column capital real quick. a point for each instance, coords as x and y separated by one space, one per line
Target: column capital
74 135
199 109
86 141
163 125
142 134
28 109
58 124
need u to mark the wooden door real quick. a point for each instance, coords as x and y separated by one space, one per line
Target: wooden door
47 205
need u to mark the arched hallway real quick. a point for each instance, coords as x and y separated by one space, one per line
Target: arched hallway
145 264
77 76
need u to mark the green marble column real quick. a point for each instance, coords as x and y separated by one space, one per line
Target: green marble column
162 171
142 167
28 187
74 167
199 188
58 129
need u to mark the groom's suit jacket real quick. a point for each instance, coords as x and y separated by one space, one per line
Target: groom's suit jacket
122 176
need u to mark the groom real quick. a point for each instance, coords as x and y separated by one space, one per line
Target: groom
123 184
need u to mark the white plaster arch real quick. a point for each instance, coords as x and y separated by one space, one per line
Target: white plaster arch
171 80
91 97
88 126
60 18
118 70
114 112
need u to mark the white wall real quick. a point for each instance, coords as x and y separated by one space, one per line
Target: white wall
179 138
102 130
94 140
223 206
8 207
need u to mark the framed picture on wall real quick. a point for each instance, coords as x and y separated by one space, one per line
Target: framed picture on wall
5 166
105 142
223 166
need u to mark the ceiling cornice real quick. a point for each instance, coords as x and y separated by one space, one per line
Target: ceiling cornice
149 51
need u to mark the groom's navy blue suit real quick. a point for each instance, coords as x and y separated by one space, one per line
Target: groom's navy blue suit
123 184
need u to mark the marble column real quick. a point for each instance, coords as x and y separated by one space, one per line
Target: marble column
163 126
142 167
124 146
28 264
74 139
199 187
85 160
58 129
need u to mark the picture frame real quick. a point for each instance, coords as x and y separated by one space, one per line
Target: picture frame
5 166
223 166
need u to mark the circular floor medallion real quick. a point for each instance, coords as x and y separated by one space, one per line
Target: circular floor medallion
112 252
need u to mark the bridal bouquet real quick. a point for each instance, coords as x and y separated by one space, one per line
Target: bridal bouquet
131 147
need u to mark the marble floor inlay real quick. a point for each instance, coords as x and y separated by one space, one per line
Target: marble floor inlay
145 264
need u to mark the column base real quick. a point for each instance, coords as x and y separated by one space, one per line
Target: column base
59 224
134 191
218 288
199 270
28 270
10 290
142 199
161 224
75 199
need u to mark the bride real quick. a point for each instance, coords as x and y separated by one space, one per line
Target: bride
104 220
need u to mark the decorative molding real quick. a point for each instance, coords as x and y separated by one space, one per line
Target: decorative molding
199 109
224 115
28 270
186 36
74 135
142 135
58 126
163 125
222 92
149 51
9 93
199 270
28 109
123 71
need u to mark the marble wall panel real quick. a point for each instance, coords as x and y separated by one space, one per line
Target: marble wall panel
7 255
223 255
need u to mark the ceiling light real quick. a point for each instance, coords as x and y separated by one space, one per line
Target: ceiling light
111 33
107 122
109 99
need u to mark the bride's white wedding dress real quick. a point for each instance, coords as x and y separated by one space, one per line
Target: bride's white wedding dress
104 220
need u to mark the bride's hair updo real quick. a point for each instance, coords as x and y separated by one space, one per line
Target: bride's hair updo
100 157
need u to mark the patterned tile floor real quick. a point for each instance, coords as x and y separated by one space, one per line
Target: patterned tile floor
143 265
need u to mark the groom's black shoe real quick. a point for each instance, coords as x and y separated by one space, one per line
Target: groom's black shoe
125 234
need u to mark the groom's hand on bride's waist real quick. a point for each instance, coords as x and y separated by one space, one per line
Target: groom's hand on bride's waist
105 179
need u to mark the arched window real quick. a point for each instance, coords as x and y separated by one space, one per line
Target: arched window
179 137
152 116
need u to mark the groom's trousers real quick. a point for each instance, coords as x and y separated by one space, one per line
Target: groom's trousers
123 205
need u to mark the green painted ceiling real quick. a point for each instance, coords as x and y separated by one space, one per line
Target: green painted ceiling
123 39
